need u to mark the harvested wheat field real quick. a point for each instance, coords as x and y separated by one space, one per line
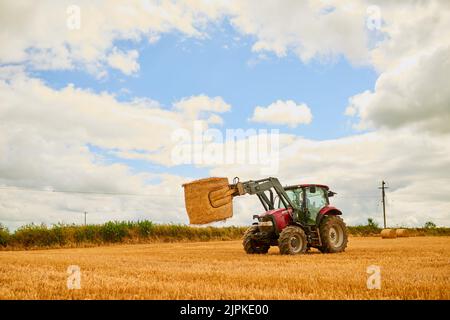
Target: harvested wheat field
411 268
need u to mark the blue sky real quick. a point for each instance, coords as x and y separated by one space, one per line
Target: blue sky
219 65
223 64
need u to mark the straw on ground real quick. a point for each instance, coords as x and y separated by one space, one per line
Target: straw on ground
411 268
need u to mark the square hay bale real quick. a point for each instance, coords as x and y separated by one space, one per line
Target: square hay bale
208 200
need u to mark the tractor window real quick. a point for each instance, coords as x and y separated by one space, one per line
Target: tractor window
295 195
314 202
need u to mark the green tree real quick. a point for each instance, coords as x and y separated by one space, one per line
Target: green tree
4 235
371 223
429 225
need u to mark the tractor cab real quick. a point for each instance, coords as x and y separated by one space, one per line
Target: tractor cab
310 198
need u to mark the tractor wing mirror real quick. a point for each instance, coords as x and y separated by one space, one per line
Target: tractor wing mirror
331 194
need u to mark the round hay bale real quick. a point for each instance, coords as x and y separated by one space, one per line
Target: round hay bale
402 233
388 234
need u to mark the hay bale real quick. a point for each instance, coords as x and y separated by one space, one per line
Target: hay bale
402 233
208 200
388 234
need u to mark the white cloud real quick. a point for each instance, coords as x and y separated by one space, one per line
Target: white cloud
81 116
413 94
215 119
414 164
142 200
194 105
410 51
310 29
413 60
37 33
45 139
410 28
283 112
45 132
124 61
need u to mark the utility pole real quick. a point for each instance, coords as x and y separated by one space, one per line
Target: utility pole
383 200
85 214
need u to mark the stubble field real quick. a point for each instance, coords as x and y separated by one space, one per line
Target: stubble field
411 268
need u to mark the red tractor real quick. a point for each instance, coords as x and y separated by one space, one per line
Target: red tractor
297 218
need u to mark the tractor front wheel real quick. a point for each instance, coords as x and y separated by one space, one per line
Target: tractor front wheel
333 234
292 240
250 245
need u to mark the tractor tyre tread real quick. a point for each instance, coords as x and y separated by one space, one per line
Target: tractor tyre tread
324 229
285 238
249 244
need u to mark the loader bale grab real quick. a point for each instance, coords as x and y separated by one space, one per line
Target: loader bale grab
296 218
208 200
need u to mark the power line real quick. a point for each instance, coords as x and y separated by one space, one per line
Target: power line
15 188
88 192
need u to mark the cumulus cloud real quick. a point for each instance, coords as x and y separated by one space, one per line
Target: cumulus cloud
38 33
413 94
82 116
413 62
283 112
409 48
46 136
310 29
20 206
215 119
192 106
414 164
421 28
124 61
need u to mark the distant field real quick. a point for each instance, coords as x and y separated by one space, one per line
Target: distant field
411 268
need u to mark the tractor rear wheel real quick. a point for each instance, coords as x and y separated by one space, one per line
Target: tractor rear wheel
292 240
250 245
333 234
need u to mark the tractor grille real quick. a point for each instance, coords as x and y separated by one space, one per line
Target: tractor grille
265 225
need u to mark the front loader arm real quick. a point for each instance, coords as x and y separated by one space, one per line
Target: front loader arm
260 187
208 200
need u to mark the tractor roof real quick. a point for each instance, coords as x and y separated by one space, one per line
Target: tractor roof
306 185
